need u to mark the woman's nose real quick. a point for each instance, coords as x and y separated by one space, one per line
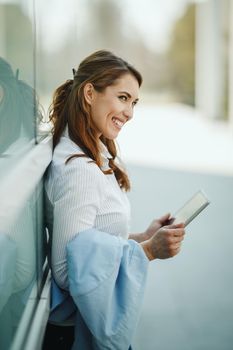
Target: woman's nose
128 112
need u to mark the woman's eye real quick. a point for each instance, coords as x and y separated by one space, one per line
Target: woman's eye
123 98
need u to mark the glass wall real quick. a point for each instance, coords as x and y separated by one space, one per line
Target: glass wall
22 238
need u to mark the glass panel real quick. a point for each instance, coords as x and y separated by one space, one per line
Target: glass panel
17 98
22 247
18 249
22 254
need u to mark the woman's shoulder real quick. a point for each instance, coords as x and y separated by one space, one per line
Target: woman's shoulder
78 174
77 165
65 148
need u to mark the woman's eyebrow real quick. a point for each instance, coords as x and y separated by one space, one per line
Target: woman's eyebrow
128 94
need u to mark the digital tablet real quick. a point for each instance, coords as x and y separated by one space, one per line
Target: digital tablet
191 208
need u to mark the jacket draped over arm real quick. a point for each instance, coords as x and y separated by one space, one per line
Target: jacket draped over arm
107 276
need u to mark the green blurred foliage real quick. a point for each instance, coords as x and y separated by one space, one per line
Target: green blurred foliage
181 57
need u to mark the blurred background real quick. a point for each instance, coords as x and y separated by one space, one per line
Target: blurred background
180 140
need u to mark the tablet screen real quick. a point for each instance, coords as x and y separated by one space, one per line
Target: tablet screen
191 209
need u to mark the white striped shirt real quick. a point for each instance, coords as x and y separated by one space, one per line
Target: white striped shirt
80 196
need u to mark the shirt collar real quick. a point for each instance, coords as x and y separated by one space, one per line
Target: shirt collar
104 151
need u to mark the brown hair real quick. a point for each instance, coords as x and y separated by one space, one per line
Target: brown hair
101 69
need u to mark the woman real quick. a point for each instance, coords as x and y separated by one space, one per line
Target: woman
87 207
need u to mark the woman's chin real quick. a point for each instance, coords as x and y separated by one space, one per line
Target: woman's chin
111 135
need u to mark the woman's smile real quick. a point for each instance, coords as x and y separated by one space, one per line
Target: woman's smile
117 123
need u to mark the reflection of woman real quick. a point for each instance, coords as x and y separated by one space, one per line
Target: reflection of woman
10 122
88 206
7 263
18 110
17 237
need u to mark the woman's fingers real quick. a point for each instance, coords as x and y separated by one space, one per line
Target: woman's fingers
164 218
167 241
173 232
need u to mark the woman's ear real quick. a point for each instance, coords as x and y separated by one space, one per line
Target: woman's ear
89 93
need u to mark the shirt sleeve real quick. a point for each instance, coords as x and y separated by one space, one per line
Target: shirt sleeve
77 196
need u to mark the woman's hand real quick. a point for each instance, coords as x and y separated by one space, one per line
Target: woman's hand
165 243
156 225
152 229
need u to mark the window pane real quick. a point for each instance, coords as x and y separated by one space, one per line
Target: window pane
22 248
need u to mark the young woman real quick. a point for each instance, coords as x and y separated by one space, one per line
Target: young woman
94 256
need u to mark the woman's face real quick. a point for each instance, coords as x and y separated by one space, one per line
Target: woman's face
113 107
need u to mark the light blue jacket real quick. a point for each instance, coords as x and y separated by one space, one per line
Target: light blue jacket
107 277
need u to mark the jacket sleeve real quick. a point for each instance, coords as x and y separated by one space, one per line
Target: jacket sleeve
107 276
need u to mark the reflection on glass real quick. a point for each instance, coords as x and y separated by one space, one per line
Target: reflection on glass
22 246
19 113
17 110
18 271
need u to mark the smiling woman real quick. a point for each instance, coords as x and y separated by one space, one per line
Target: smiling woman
113 107
93 107
99 273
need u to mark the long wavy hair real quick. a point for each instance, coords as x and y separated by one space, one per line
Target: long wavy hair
69 107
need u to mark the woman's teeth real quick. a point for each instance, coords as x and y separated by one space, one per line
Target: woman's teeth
117 122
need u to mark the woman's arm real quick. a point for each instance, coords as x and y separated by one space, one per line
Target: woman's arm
76 197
